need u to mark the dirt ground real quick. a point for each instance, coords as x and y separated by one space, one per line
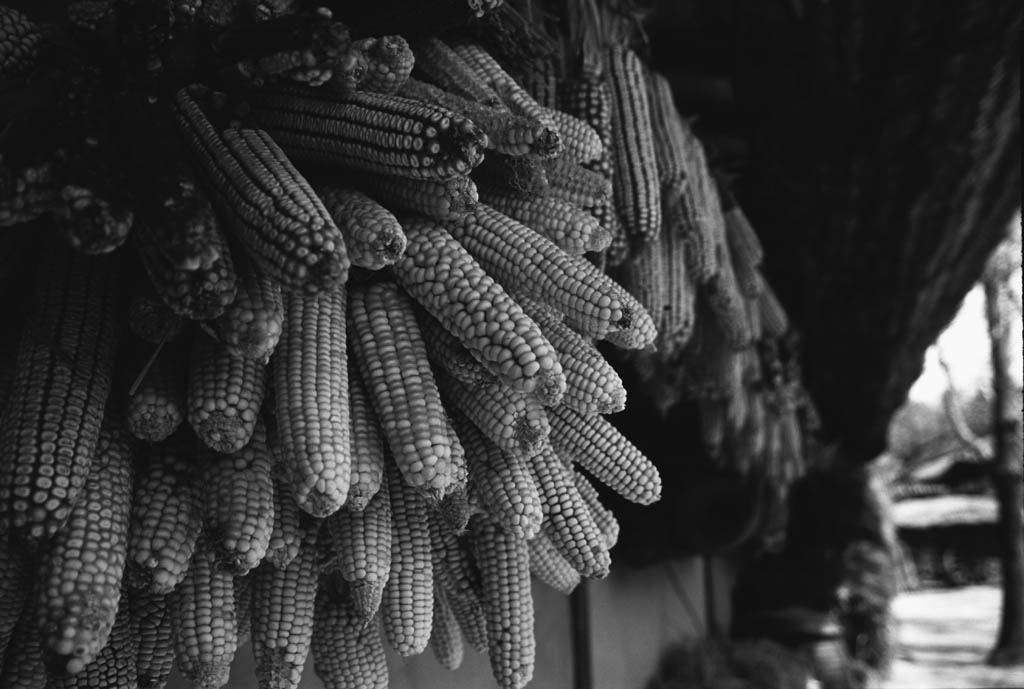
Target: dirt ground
944 635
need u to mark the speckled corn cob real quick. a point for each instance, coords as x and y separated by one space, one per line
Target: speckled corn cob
508 602
393 360
548 565
442 199
500 482
589 98
82 568
295 243
603 517
513 421
454 288
282 619
363 542
592 384
202 612
373 237
389 63
167 515
289 527
157 407
115 664
443 66
697 214
526 262
577 184
366 442
152 627
445 636
62 378
568 522
408 601
458 575
311 392
225 393
377 133
667 128
240 505
151 320
569 227
347 652
251 325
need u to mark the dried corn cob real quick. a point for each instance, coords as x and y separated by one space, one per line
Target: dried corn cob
225 393
167 515
526 262
16 570
251 326
443 66
282 618
454 288
697 214
576 184
727 304
150 319
747 273
243 607
445 637
501 483
511 420
457 574
371 132
518 175
240 505
582 142
52 419
446 199
569 227
274 211
635 181
454 507
157 407
393 361
539 77
548 565
589 98
618 248
667 128
367 444
373 237
311 388
407 604
508 602
23 665
115 664
568 523
289 527
389 63
82 569
202 612
603 517
20 40
774 320
90 220
447 353
152 627
363 542
347 652
680 293
31 194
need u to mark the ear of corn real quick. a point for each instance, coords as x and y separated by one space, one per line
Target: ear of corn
373 237
51 424
363 543
311 389
408 601
548 565
589 98
23 665
680 293
347 652
519 175
225 393
367 443
457 574
282 618
441 199
618 249
82 568
151 320
727 304
153 630
289 527
392 358
31 194
454 288
157 408
667 127
252 324
204 622
443 66
603 517
20 40
445 636
389 63
454 507
446 352
90 220
243 607
576 184
508 603
582 142
569 227
16 569
115 664
774 320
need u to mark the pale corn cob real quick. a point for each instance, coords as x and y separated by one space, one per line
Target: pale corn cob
454 288
157 407
458 575
443 66
225 393
252 324
519 175
370 132
568 523
667 128
51 422
347 652
603 517
204 621
445 636
443 199
407 604
635 180
774 320
289 527
697 214
271 207
167 515
82 568
23 666
152 627
392 358
362 541
311 395
20 41
389 63
600 448
526 262
592 384
500 482
569 227
373 237
727 304
576 184
511 420
446 352
240 505
582 142
366 442
282 618
548 565
150 319
508 602
114 666
16 570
